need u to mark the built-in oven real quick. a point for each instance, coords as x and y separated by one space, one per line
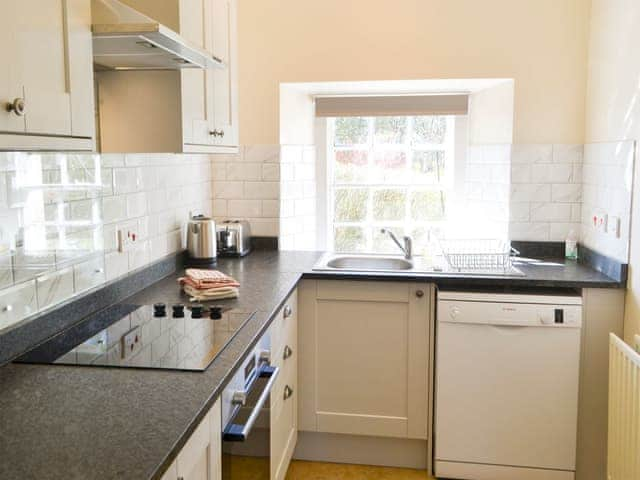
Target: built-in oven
246 434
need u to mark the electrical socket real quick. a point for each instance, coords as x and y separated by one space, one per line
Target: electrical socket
126 239
599 221
131 342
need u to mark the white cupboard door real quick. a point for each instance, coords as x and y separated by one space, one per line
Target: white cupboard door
215 450
10 87
197 96
80 69
369 368
225 94
199 459
41 64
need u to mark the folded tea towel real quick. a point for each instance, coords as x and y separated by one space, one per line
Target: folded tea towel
202 285
202 295
199 278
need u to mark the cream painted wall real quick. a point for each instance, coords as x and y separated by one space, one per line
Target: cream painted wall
613 110
542 44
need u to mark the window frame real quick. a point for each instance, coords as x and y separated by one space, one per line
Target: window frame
448 184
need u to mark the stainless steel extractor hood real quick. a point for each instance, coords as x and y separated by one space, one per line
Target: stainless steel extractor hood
125 39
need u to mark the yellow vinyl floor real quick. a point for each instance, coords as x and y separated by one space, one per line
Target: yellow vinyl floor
299 470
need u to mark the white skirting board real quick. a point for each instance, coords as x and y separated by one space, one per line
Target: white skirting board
361 450
623 459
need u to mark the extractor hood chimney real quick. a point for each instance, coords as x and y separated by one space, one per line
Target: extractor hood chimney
125 39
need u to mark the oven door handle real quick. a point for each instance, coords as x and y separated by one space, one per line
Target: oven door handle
234 432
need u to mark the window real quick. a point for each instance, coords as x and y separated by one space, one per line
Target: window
388 172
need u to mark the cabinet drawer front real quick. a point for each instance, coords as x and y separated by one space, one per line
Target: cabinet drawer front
287 379
284 327
283 432
17 303
365 291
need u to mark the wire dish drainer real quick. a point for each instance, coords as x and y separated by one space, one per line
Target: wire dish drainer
484 254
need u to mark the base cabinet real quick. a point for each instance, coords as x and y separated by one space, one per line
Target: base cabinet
200 457
365 362
284 408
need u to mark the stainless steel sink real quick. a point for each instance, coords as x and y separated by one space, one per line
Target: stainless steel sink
366 263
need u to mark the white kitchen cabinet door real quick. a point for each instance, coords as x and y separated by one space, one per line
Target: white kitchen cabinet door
10 87
284 408
200 458
364 358
196 25
47 46
225 80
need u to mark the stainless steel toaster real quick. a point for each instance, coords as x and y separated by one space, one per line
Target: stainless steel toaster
234 238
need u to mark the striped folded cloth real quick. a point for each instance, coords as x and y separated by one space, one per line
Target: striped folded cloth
208 284
218 293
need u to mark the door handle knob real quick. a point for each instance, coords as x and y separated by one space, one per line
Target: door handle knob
18 106
287 352
288 391
419 293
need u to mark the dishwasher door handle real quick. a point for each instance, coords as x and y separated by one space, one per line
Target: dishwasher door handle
234 432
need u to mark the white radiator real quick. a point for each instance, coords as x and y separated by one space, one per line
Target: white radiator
624 411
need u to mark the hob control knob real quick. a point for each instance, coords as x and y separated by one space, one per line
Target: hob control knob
196 311
159 310
178 310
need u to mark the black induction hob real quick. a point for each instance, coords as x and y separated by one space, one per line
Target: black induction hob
159 336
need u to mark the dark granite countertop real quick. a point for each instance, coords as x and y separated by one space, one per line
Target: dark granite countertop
63 422
546 273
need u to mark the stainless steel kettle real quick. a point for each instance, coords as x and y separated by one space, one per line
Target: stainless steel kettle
201 240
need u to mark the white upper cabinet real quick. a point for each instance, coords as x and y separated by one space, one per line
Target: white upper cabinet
225 80
46 86
199 111
210 97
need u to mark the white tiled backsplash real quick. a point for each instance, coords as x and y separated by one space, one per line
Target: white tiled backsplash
486 192
247 185
546 192
59 215
152 196
607 187
298 197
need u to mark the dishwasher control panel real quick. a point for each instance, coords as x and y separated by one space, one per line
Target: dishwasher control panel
510 310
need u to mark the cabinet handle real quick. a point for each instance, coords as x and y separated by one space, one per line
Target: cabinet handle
180 478
288 391
216 133
222 133
287 311
419 293
18 106
287 352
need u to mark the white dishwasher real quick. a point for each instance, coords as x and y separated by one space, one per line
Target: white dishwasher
507 374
